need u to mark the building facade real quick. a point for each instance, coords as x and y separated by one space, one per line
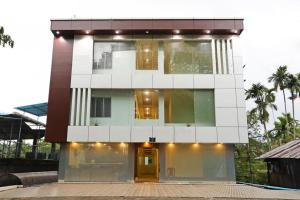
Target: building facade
147 100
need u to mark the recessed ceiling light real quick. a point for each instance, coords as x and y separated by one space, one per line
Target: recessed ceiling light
234 31
147 32
207 31
146 92
176 31
117 31
87 31
57 32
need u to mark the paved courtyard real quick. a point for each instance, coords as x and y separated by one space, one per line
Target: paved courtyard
116 191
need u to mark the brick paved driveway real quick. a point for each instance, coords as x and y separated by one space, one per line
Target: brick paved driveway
116 191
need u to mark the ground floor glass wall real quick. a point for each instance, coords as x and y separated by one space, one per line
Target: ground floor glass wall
197 162
92 162
96 162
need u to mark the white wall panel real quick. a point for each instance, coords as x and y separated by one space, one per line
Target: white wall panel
206 135
240 98
141 133
77 134
238 64
183 81
164 134
239 81
243 132
224 81
185 134
80 81
82 62
141 80
225 98
162 81
101 81
226 117
121 80
204 81
242 117
120 133
98 134
228 134
73 101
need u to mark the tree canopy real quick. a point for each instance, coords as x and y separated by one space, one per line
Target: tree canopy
5 39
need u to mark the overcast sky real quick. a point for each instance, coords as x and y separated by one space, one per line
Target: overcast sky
271 37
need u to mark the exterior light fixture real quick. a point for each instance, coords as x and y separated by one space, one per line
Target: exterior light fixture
207 31
234 31
74 144
57 32
147 32
176 31
117 31
146 92
87 31
98 144
122 144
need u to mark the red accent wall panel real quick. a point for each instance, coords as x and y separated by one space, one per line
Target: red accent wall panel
59 92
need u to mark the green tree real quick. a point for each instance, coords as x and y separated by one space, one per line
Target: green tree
248 168
264 98
279 79
5 39
293 85
283 131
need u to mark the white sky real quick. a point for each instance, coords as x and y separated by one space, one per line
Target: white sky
271 37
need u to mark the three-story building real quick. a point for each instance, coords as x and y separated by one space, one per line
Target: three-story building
147 99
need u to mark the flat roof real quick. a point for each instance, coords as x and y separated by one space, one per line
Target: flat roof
147 26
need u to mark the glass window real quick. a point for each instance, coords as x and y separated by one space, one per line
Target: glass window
188 57
179 106
97 162
190 106
146 55
100 107
108 54
201 162
146 104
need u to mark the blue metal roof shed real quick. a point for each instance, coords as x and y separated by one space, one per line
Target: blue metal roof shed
39 109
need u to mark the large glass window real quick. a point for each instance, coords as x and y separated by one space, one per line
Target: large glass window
100 107
108 55
201 162
97 162
146 54
188 57
146 104
190 106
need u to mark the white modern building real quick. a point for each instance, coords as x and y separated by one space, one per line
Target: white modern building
147 100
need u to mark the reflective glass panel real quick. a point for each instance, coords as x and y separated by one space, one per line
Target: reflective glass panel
188 57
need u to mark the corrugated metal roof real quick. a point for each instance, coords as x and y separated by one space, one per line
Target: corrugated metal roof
288 150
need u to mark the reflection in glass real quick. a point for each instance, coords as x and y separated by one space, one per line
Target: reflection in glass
105 53
190 106
97 162
188 57
200 161
146 104
146 54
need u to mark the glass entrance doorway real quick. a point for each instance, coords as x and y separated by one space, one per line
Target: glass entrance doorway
146 164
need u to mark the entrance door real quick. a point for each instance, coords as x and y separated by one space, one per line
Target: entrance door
147 164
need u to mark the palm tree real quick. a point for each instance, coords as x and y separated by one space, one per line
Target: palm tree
264 98
282 130
279 78
293 84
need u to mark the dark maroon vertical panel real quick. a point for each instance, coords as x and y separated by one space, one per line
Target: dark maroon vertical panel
59 92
